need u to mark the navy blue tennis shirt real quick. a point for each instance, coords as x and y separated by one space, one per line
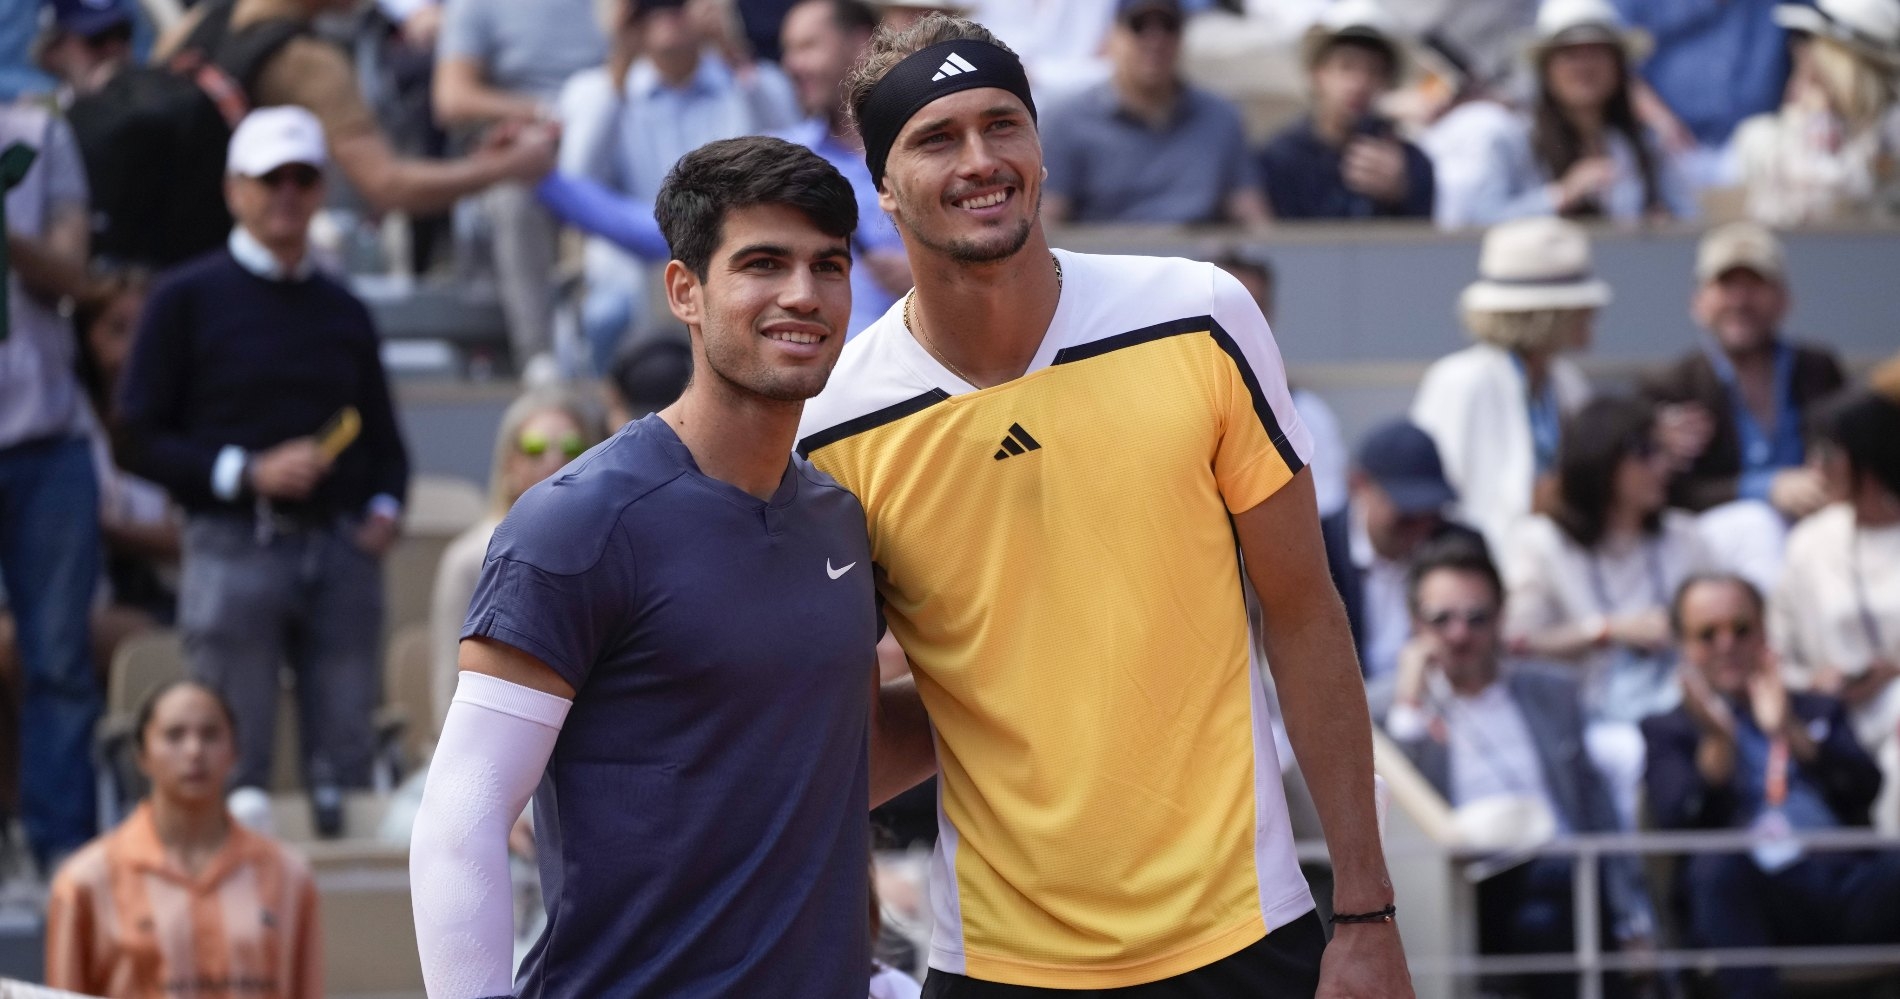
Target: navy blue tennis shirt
703 822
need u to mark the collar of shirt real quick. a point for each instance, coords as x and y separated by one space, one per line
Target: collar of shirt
1111 102
254 257
644 81
138 845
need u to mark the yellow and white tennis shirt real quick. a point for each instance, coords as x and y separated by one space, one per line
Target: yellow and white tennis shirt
1056 556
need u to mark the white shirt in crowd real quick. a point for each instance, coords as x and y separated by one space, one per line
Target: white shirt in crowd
1492 752
1388 619
1835 571
1475 405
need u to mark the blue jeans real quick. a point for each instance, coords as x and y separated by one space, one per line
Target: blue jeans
49 559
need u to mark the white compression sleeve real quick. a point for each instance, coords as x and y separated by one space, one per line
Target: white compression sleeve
494 748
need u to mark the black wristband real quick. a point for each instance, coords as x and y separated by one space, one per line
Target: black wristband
1382 916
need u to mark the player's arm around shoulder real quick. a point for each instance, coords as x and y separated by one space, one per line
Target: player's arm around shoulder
903 754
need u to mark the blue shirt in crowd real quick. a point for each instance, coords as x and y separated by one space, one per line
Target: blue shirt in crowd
1716 61
1113 166
702 822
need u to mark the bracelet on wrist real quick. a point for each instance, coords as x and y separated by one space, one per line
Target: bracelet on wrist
1385 915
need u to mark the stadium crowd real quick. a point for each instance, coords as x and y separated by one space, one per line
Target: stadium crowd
1578 608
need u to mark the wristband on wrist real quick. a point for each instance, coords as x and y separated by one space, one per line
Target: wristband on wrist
1384 915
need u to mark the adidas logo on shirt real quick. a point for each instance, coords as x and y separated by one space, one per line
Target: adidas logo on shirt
956 65
1017 442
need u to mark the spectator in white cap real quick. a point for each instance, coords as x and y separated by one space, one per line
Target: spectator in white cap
1343 160
1495 409
256 395
1828 152
1581 151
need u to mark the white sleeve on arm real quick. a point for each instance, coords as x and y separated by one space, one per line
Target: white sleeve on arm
494 748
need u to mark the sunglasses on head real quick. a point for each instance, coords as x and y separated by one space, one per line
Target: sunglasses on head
535 444
1440 620
1740 631
299 175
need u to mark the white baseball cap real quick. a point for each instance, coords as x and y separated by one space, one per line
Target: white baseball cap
271 137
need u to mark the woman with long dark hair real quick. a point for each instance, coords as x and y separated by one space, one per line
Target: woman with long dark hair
180 901
1591 583
1581 152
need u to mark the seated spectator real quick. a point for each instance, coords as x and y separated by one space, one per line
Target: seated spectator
506 61
1343 161
540 432
180 892
822 40
1836 614
255 394
1466 121
1715 63
1061 42
663 93
1484 732
1827 154
86 43
1146 146
1734 408
49 542
1742 752
142 526
1581 153
1591 582
1398 500
1496 408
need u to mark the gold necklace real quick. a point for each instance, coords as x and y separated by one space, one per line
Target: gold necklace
910 325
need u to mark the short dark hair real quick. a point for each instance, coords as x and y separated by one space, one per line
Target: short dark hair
1453 551
650 376
1382 49
1605 431
1863 425
729 174
1234 260
149 706
849 16
888 48
1696 579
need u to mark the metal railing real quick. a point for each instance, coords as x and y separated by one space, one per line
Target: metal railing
1588 960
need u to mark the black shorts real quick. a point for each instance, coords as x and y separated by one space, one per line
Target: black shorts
1283 964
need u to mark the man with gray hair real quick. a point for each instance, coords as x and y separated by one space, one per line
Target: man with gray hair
256 396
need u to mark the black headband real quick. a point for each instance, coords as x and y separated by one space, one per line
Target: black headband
925 75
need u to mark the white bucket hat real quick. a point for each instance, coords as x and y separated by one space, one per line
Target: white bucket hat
1561 23
1530 265
1869 27
1366 20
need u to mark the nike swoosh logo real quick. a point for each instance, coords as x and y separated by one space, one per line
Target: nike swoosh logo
835 573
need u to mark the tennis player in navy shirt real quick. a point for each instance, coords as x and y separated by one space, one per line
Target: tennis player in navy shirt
673 648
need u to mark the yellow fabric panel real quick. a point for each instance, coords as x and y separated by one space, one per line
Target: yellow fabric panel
1076 621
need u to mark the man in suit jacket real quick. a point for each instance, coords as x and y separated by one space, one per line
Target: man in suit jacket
1733 409
1742 752
1397 496
1479 734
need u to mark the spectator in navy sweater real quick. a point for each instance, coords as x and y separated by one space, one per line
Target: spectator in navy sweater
246 363
1342 160
1742 752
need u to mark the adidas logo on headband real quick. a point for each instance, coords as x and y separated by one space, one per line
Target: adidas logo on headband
956 65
